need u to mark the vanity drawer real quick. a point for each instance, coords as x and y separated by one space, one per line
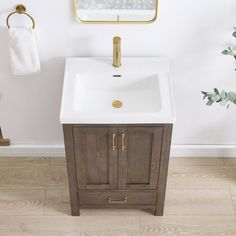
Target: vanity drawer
120 197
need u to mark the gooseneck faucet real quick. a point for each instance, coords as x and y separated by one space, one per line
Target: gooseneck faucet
116 51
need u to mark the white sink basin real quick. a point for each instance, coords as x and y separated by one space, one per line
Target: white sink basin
141 85
96 92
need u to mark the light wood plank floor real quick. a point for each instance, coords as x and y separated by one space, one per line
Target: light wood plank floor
201 200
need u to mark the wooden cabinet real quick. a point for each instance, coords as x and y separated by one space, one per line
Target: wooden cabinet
138 160
117 166
96 162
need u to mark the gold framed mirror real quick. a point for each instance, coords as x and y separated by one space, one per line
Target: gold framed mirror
116 11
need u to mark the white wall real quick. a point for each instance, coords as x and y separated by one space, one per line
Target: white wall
192 33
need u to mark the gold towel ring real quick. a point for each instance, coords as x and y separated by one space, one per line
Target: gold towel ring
20 9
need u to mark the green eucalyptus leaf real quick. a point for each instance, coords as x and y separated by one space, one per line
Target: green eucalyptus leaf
216 98
209 97
216 91
226 52
209 103
221 97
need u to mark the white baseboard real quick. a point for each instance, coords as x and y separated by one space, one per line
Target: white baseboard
203 151
176 150
33 150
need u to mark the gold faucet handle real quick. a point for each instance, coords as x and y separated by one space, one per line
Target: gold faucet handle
116 39
116 51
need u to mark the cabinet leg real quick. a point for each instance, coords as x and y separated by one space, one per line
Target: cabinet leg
75 209
158 212
166 143
75 212
71 169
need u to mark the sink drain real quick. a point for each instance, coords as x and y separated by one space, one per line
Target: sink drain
117 104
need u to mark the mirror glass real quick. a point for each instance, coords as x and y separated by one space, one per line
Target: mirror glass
116 11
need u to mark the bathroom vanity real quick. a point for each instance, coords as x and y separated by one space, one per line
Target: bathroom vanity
117 126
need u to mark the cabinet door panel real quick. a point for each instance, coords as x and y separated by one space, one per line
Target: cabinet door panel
96 162
139 161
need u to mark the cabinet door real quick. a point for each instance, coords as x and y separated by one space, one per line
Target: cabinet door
96 157
138 157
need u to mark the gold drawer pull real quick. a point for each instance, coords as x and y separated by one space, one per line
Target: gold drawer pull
123 142
110 201
113 142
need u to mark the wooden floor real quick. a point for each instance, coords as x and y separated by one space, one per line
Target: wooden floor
201 200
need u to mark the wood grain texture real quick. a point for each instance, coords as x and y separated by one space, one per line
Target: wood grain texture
96 161
197 161
24 161
229 161
71 169
188 225
198 177
194 211
65 225
113 162
134 197
139 161
163 172
117 212
233 197
107 157
58 161
32 177
21 202
57 202
198 202
120 206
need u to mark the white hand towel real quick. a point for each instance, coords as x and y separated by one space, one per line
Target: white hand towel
23 51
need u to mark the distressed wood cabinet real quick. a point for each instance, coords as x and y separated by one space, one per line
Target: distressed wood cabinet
116 166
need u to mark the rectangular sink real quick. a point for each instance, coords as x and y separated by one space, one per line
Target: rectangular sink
95 92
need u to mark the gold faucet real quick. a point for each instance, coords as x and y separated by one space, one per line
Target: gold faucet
116 51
